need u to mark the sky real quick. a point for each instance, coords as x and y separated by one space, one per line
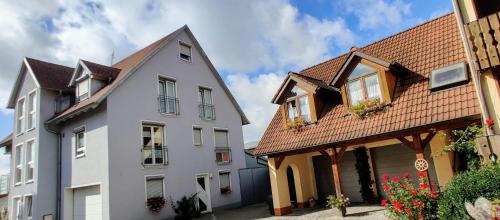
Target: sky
253 44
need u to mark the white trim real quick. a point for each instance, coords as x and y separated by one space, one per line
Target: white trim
14 183
221 163
176 95
207 188
230 182
179 43
164 140
31 73
201 135
26 162
84 185
15 206
76 131
18 131
24 206
35 102
158 176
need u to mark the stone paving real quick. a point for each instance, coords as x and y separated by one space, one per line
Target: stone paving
259 211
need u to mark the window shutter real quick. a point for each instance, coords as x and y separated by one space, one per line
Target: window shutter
83 87
184 49
221 139
155 188
224 180
197 136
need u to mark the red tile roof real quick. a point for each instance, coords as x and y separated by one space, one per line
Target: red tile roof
420 49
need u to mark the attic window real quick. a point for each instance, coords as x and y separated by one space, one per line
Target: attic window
363 84
185 52
449 76
298 105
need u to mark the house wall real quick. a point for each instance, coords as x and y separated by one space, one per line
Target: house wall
136 100
92 169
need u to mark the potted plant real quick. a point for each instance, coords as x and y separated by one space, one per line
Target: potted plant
155 204
339 203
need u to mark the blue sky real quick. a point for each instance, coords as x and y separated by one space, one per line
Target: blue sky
252 43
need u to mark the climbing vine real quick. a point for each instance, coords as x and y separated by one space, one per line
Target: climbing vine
364 174
465 144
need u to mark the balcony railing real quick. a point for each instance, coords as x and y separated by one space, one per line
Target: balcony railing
168 105
483 36
207 112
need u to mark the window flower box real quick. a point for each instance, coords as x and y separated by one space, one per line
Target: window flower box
368 107
295 124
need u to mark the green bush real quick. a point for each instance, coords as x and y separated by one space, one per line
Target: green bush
469 186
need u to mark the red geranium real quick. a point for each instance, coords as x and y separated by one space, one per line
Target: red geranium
490 122
408 210
399 207
394 202
420 216
395 179
386 187
406 174
405 185
386 176
423 185
383 202
421 174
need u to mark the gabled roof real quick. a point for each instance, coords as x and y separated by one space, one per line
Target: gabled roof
99 71
46 75
309 82
133 62
421 49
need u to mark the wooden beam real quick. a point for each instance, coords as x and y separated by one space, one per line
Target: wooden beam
336 173
341 153
323 152
428 139
278 161
406 142
419 153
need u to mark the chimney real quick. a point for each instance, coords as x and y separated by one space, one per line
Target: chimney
353 48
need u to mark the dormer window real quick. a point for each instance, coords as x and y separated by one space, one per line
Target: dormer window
298 104
363 84
185 51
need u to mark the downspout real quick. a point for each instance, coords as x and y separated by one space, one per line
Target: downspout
475 73
59 157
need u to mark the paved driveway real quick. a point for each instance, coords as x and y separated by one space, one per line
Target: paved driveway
259 211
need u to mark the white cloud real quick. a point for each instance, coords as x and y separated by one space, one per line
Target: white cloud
254 95
374 14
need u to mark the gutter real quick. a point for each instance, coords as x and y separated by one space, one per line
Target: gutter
59 158
475 73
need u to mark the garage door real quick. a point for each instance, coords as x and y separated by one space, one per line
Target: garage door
395 160
87 204
324 177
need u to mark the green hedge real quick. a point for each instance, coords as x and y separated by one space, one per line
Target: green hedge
469 186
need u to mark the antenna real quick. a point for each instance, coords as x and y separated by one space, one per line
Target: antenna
112 57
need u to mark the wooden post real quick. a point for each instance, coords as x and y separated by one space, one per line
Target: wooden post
419 152
335 159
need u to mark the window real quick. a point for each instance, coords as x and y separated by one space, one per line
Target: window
363 84
63 102
32 110
83 90
19 165
18 202
225 182
197 139
20 116
80 142
154 187
448 76
28 206
207 109
30 164
222 150
298 104
168 101
153 147
185 52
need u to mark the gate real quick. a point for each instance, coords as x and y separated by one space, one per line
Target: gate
255 185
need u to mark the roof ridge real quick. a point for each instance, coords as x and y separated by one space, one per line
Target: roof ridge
47 62
380 40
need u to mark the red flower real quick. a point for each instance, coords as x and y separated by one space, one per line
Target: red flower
420 216
399 207
406 174
386 176
490 122
395 179
423 185
394 202
433 194
421 174
405 185
408 210
383 202
386 187
412 192
392 193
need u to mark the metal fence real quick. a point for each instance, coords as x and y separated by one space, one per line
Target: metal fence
255 185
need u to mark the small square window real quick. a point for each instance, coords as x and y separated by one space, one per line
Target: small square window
449 76
197 138
225 182
185 52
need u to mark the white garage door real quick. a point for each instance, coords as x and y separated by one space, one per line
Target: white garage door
87 204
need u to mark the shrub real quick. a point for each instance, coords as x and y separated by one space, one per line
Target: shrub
407 201
186 207
469 186
364 175
465 144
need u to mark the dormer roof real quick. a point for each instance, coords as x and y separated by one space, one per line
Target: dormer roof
309 82
98 71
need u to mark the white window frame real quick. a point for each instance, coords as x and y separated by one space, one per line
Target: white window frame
87 79
361 78
25 211
164 147
433 86
21 119
16 201
230 182
222 149
176 95
18 164
182 43
201 135
162 177
31 162
32 114
83 150
200 101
